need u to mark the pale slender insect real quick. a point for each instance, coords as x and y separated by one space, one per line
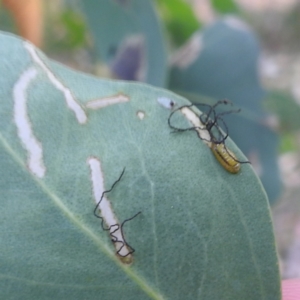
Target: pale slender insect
226 158
211 122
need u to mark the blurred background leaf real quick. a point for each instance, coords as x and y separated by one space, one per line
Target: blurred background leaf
179 19
128 38
75 29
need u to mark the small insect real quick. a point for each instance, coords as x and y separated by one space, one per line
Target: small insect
226 158
211 122
114 228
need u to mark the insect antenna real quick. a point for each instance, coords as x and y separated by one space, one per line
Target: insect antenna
115 227
124 243
213 122
219 137
98 205
105 192
176 129
207 115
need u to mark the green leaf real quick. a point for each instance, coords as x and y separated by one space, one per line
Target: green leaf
179 19
128 38
221 62
225 6
75 29
288 143
203 233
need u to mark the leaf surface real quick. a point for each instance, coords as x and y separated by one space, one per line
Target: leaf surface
203 233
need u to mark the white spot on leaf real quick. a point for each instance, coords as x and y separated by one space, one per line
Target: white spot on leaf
140 114
166 102
103 102
21 118
70 100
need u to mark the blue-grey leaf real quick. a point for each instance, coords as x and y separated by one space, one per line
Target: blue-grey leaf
65 138
128 38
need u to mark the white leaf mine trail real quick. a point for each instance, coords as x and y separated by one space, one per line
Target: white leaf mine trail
107 213
22 121
70 100
34 147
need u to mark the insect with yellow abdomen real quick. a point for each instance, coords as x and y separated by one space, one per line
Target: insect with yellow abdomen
226 158
210 122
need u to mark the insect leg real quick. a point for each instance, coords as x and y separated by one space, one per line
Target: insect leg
176 129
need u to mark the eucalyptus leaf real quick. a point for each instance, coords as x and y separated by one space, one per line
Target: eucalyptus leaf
202 233
128 38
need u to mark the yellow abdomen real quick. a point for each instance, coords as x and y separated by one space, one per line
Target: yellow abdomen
226 158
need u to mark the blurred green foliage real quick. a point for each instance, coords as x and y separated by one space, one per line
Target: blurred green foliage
65 29
75 29
225 6
178 18
288 143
